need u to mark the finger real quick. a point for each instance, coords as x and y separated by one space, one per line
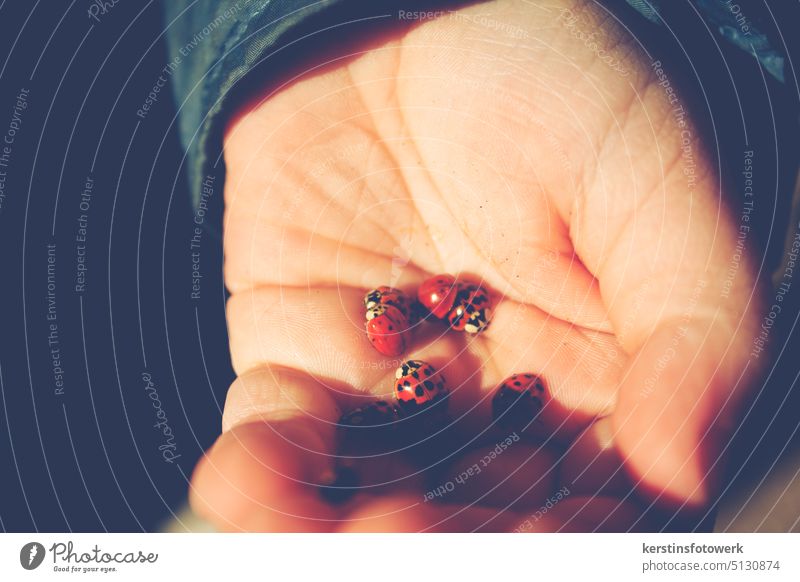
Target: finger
301 416
387 472
677 408
276 393
511 474
583 515
264 472
262 477
592 465
318 331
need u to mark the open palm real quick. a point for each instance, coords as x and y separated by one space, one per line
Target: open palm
494 141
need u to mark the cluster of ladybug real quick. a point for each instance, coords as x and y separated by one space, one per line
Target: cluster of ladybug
391 316
418 385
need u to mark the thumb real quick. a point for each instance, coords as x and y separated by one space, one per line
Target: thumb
264 472
678 405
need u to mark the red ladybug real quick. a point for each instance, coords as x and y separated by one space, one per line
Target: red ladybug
384 295
418 383
387 331
471 309
437 294
518 400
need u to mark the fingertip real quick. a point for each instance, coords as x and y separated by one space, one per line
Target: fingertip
519 476
255 479
269 393
668 422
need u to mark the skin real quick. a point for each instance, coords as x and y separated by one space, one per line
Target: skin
549 168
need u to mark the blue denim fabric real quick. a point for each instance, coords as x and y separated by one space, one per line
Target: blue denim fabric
218 42
734 22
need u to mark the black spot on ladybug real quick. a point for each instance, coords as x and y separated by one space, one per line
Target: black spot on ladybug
479 299
428 385
517 383
420 391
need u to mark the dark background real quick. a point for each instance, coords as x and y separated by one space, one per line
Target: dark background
89 459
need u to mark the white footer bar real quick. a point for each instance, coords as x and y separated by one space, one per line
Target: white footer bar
401 557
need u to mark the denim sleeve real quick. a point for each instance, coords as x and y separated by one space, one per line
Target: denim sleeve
737 22
211 45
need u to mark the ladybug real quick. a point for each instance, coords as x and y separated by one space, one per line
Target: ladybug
518 401
438 294
387 331
471 309
418 384
379 413
386 296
